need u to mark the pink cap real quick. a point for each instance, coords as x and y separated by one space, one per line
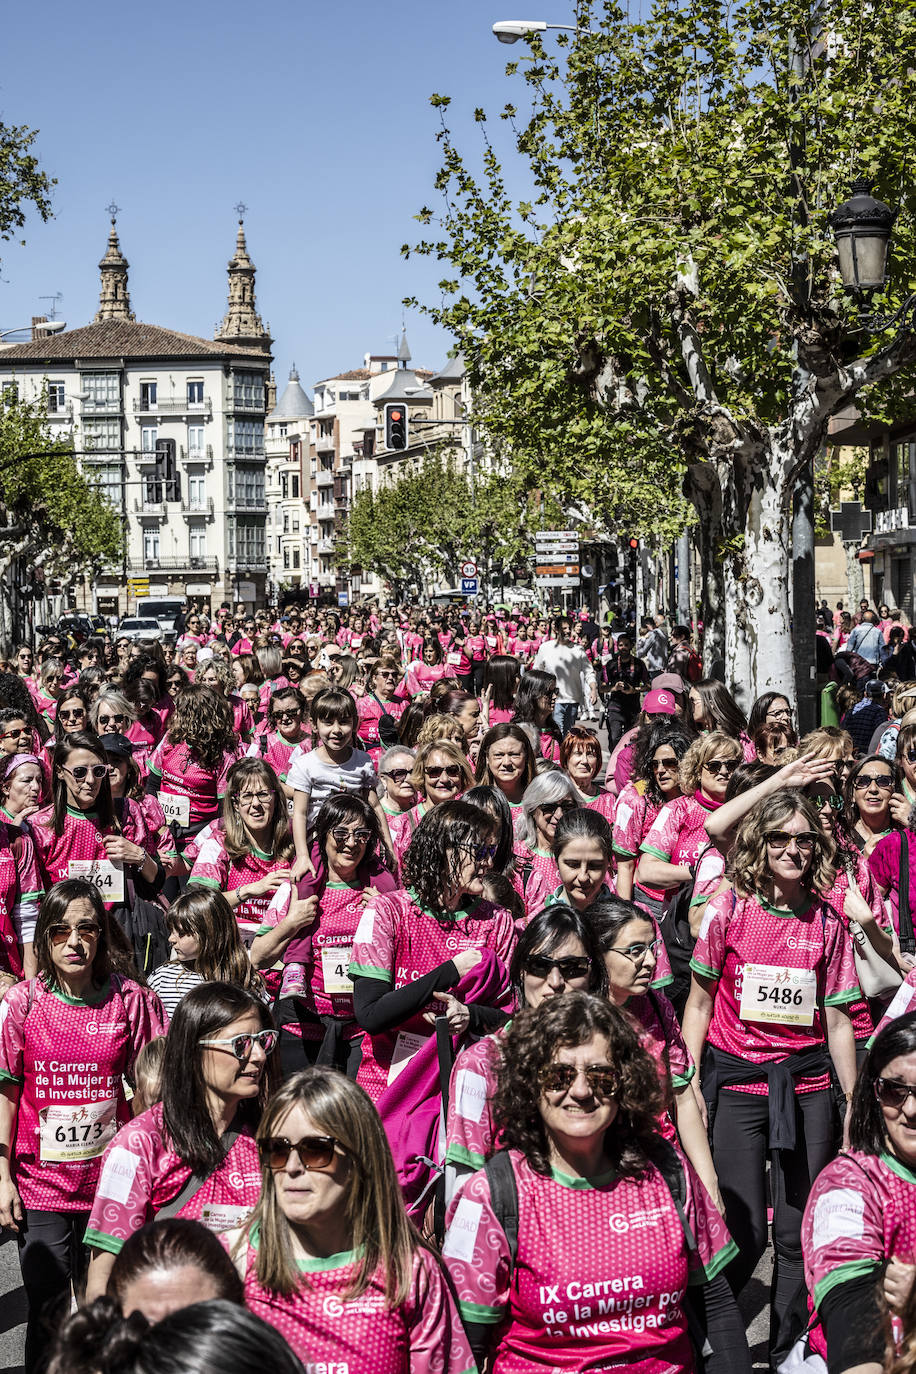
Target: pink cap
659 704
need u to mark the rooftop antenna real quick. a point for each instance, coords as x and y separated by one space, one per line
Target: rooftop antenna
55 302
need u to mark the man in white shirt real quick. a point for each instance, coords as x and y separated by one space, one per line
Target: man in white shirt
574 674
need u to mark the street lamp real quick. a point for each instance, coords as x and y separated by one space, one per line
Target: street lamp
862 229
47 327
511 30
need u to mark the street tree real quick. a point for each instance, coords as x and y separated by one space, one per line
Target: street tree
662 314
50 513
22 182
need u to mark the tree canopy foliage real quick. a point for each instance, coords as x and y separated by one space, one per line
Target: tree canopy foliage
21 180
663 312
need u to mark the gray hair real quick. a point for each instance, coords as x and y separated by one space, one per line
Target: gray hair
270 661
384 762
547 787
111 696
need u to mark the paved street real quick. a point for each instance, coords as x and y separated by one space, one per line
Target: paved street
12 1307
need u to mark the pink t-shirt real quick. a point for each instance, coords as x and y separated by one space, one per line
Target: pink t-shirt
214 868
370 710
21 889
860 1213
808 964
600 1275
363 1335
402 827
605 804
678 833
68 1054
182 774
421 676
141 1173
277 751
397 942
340 908
656 1024
80 839
536 876
470 1131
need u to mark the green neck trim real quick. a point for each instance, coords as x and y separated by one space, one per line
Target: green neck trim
94 996
568 1181
897 1167
796 911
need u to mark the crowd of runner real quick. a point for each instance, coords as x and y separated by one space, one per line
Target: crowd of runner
363 1013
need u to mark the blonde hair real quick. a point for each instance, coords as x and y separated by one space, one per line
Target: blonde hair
439 727
452 751
236 840
148 1076
715 744
374 1208
749 862
828 742
904 692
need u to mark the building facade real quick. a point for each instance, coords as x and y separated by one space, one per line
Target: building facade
288 434
170 429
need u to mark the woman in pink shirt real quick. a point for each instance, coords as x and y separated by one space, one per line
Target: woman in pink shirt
499 686
421 676
67 1038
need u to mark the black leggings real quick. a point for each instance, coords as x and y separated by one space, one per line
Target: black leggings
739 1150
51 1257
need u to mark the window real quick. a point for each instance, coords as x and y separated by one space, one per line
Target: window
248 390
148 395
106 478
197 491
295 524
152 490
282 431
296 557
246 487
57 397
246 540
151 546
284 486
245 436
9 394
286 522
148 436
195 393
286 558
101 435
195 437
294 486
102 390
197 541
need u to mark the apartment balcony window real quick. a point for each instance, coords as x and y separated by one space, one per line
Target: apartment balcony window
101 435
149 392
195 393
103 391
248 391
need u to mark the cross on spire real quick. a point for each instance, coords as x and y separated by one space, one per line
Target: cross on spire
241 209
113 210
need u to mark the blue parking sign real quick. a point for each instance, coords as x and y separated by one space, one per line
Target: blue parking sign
469 586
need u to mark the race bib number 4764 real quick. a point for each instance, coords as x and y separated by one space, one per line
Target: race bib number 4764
105 874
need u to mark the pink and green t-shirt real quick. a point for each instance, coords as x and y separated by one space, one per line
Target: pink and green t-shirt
600 1275
215 868
774 971
364 1335
397 942
68 1055
180 773
79 844
141 1173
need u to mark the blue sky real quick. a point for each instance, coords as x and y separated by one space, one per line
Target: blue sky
316 115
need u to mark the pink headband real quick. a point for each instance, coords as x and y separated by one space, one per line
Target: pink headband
16 761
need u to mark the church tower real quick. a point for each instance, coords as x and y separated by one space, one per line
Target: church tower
242 324
114 297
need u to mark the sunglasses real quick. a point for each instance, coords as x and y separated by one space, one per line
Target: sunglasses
551 808
480 852
288 715
78 714
664 765
450 770
719 766
890 1093
16 734
86 930
82 771
540 965
242 1045
834 802
342 837
781 839
398 775
884 781
111 720
638 952
314 1151
559 1078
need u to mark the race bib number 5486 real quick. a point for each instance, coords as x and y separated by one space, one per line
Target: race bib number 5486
773 993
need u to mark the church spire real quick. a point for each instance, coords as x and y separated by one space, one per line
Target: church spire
114 298
242 324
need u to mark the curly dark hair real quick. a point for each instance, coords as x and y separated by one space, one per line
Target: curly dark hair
433 860
204 721
656 732
530 1043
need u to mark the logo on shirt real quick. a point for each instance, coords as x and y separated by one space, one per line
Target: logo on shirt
796 942
635 1221
102 1027
358 1307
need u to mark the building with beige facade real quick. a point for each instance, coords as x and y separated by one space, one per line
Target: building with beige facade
170 428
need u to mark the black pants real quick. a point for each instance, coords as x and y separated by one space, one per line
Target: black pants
301 1051
739 1150
52 1257
477 671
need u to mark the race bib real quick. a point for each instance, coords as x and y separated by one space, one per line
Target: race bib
784 995
220 1216
72 1134
405 1047
335 961
453 659
176 808
105 874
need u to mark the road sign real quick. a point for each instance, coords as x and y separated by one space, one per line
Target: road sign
469 569
558 569
469 586
138 586
548 536
569 582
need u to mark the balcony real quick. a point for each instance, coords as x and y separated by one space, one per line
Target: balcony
247 405
196 455
326 443
203 506
60 412
243 564
171 407
105 406
325 477
175 565
154 509
326 545
255 503
246 455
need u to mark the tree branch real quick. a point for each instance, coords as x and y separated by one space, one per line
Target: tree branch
692 350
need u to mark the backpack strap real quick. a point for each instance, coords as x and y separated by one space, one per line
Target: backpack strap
194 1184
504 1197
670 1165
904 915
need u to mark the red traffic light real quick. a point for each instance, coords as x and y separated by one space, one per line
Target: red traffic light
395 416
633 543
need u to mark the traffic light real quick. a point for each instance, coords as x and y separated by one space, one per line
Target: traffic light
395 426
633 543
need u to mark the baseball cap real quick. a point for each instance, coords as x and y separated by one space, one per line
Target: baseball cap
669 682
117 744
659 704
